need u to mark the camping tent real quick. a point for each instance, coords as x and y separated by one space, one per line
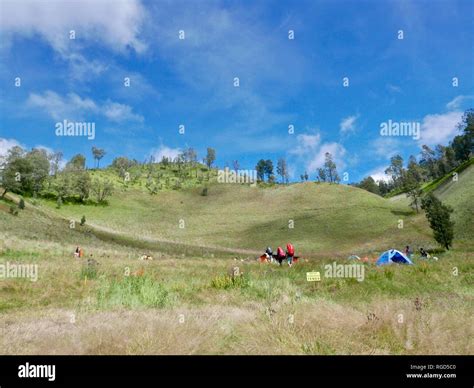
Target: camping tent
393 256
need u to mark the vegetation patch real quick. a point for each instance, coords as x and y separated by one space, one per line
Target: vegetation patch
132 292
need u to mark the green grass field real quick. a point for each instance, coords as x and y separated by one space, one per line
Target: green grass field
184 302
315 217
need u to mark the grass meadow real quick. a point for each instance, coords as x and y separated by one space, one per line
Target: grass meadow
185 301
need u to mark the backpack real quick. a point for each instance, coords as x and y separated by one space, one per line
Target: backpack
280 252
290 249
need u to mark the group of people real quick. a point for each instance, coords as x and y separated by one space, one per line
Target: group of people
281 255
408 252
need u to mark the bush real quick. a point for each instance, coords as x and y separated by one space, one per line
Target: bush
102 190
439 217
21 204
13 211
204 192
83 220
224 282
132 291
59 203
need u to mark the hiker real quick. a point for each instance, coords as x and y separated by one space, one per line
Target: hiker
290 253
269 254
423 253
408 251
280 256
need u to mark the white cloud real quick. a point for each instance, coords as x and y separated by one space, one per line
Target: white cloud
307 142
164 151
60 108
74 107
439 128
5 145
378 174
456 102
348 124
83 68
120 112
335 149
116 22
312 151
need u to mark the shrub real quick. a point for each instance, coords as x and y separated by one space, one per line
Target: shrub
21 204
224 282
439 216
204 192
102 190
83 220
131 292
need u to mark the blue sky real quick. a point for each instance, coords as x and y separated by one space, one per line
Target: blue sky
282 81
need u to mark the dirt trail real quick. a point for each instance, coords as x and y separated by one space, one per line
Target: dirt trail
174 242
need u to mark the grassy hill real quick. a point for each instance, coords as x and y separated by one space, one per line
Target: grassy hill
442 181
317 218
459 194
320 219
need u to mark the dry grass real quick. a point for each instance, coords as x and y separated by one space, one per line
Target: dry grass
321 327
277 312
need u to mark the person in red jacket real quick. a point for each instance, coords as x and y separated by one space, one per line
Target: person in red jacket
290 253
280 256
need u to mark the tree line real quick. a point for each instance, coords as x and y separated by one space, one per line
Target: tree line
430 165
41 173
265 170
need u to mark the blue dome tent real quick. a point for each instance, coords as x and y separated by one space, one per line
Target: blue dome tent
393 256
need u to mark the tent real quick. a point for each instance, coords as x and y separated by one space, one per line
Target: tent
393 256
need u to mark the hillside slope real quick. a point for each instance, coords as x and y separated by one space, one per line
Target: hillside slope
460 196
317 218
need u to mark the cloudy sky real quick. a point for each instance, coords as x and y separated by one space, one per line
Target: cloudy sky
350 66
